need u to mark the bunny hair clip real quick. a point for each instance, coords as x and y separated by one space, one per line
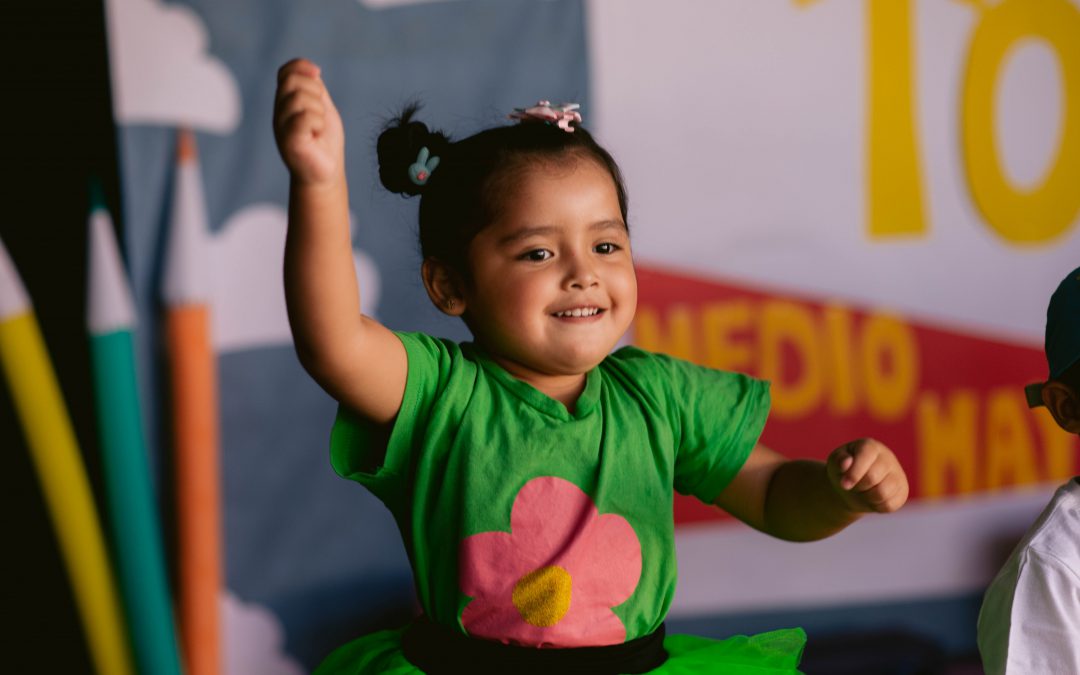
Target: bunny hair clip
420 170
560 115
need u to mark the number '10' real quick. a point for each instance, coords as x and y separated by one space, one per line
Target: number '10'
895 193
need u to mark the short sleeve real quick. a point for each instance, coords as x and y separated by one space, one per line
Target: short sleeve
1037 633
717 417
365 452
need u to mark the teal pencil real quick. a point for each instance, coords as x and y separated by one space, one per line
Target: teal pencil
131 506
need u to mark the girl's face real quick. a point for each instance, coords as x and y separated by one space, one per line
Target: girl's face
553 285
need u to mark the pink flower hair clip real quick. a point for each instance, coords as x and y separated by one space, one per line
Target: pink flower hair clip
560 115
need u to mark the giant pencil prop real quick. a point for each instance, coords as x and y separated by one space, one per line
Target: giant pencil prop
59 466
131 506
194 422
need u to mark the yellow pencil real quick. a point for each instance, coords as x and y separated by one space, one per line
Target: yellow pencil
58 463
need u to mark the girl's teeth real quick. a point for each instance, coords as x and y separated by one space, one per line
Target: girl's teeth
578 312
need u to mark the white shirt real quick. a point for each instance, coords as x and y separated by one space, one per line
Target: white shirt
1030 617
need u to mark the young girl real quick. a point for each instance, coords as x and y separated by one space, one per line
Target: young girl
531 472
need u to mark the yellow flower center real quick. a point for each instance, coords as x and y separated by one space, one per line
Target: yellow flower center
543 596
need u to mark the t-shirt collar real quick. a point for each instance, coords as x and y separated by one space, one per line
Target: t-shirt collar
533 396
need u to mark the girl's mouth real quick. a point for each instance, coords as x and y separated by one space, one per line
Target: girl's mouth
577 313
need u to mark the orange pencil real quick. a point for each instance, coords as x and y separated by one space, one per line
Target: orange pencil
193 375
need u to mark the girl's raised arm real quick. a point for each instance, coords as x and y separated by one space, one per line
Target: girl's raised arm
353 357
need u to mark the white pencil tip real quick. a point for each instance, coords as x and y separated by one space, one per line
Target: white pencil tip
185 278
13 298
109 305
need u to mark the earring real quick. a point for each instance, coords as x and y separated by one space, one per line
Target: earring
450 305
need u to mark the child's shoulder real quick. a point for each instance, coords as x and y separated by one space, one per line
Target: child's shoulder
641 364
436 358
423 344
636 358
669 372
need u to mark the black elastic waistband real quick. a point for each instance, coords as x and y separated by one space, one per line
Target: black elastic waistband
437 650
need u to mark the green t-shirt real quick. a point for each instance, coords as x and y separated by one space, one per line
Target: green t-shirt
528 524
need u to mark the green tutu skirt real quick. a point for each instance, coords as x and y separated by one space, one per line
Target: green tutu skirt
771 653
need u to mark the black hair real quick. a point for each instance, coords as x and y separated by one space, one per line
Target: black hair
465 193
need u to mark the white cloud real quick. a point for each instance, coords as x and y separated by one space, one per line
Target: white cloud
249 296
253 640
162 72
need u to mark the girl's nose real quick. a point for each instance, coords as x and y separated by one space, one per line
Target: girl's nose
580 273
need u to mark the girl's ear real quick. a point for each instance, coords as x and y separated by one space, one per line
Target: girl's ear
1064 404
443 286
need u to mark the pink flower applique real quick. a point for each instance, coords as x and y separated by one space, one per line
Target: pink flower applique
553 579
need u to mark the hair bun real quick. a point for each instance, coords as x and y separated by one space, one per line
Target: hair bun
398 147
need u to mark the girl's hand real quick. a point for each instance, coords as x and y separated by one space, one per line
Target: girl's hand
867 476
307 126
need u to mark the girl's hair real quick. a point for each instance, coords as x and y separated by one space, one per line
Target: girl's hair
475 175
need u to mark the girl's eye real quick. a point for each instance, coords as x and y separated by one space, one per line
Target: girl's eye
537 255
607 248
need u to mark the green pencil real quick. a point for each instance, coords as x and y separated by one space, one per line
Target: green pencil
131 506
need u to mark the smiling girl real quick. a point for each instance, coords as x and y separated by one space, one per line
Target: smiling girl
531 471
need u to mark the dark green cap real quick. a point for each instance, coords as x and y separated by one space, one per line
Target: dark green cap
1062 333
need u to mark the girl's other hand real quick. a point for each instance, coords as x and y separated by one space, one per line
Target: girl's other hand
868 476
307 126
